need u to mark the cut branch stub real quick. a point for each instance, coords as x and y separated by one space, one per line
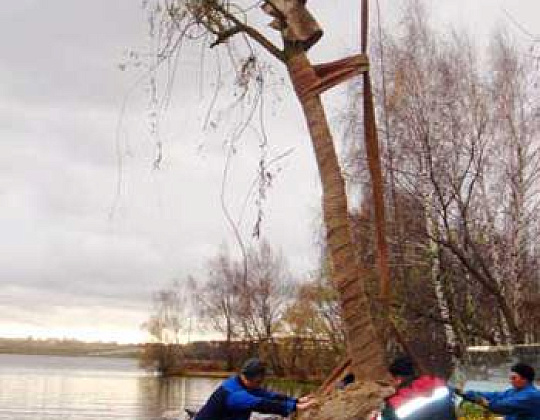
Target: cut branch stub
294 21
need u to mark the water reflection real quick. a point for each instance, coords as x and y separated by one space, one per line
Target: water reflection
156 395
47 388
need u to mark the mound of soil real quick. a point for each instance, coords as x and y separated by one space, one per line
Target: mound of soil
355 402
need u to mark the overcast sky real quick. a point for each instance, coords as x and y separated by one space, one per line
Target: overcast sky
80 258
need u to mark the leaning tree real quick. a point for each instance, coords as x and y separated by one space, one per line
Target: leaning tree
220 21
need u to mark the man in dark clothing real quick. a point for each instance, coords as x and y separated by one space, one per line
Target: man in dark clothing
417 397
240 395
521 402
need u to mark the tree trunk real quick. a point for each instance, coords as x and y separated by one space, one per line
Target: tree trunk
518 250
228 346
432 229
364 345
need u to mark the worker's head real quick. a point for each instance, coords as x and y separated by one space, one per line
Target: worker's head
521 375
401 369
253 372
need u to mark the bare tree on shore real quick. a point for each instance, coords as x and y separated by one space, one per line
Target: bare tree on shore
461 152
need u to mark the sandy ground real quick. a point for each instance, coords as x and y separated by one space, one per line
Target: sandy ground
355 402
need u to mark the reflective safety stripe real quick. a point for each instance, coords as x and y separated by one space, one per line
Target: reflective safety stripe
418 403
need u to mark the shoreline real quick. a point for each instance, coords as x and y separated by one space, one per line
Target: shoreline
200 374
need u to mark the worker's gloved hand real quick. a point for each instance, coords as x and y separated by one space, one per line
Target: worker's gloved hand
306 398
373 415
457 390
306 402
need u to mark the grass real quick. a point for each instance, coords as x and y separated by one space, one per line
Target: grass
469 411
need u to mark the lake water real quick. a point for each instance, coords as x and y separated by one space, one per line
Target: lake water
85 388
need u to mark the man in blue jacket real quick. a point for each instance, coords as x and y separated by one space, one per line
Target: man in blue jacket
521 402
240 395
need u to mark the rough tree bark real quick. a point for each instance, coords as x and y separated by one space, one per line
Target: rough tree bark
364 346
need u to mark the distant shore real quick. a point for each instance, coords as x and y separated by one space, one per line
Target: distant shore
201 374
67 348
